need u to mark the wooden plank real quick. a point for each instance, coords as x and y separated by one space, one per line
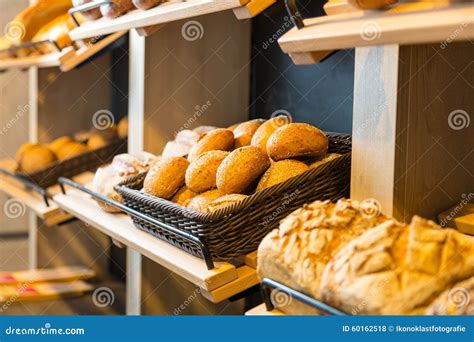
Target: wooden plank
121 228
41 61
261 310
349 30
251 259
246 278
157 15
252 8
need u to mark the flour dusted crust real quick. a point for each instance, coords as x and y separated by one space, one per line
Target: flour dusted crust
297 253
395 269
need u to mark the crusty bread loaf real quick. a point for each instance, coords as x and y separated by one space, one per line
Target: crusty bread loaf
36 158
297 140
324 159
395 270
183 196
263 133
281 171
201 173
225 201
456 300
240 170
217 140
165 177
57 30
201 201
244 132
296 253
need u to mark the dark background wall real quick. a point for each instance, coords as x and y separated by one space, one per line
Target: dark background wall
319 94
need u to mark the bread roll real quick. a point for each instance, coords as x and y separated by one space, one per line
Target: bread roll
36 158
183 196
165 177
201 201
217 140
240 170
101 138
103 183
116 8
23 148
395 270
57 30
224 201
244 132
297 252
297 140
146 4
324 159
58 143
92 14
456 300
261 135
122 128
201 173
281 171
70 150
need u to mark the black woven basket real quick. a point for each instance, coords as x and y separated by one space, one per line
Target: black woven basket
238 229
87 161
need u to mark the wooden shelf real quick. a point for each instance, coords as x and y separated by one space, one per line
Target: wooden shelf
52 214
146 21
261 310
370 28
218 284
67 59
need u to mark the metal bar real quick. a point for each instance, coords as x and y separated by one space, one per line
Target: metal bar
295 15
86 7
269 283
32 44
29 185
141 216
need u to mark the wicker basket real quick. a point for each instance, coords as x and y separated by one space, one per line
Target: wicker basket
87 161
238 229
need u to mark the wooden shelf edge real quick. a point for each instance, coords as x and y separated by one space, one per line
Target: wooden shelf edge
120 228
261 310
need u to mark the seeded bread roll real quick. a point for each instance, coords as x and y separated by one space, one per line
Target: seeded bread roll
217 140
244 132
146 4
297 140
201 201
70 150
201 173
297 252
456 300
225 201
165 177
261 135
23 148
36 158
324 159
281 171
240 170
396 270
116 8
183 196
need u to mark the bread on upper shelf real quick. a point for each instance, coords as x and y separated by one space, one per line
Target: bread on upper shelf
57 30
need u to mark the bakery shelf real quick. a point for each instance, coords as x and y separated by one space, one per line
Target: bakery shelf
219 283
403 26
50 213
145 21
66 59
261 310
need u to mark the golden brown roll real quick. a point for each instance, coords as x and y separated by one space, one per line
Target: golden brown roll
220 139
201 201
244 132
146 4
70 150
266 129
116 8
241 169
297 140
101 138
36 158
183 196
122 128
280 171
201 173
324 159
23 148
58 143
165 177
224 201
58 30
